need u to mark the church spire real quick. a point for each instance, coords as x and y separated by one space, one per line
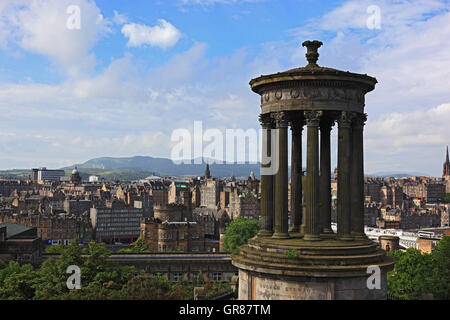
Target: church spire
446 159
446 170
207 172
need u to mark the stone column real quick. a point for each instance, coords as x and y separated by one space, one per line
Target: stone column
281 178
344 165
312 223
296 175
357 178
325 174
267 212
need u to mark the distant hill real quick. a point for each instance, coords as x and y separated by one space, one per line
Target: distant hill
397 174
140 167
122 175
163 166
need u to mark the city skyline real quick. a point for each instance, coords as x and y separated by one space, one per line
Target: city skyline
120 84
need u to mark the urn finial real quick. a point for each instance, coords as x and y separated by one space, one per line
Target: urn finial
311 53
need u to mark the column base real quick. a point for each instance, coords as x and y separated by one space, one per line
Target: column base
327 231
325 236
264 286
359 236
345 238
265 233
294 229
312 237
302 229
280 235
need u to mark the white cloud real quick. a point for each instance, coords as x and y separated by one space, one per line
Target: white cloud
128 109
40 26
354 14
162 35
119 18
408 141
406 129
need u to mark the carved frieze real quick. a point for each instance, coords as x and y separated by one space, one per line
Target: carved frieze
278 94
314 93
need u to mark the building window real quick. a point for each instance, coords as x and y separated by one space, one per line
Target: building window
181 236
177 276
195 275
217 276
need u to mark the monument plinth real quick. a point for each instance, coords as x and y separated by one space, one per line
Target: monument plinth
307 260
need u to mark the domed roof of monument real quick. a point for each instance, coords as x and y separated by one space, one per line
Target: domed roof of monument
75 170
313 72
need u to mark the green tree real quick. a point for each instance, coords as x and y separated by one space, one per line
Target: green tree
411 275
9 269
140 246
238 233
54 249
100 279
17 282
440 279
149 287
415 273
446 198
97 261
51 281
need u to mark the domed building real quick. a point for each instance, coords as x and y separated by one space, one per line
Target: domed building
75 178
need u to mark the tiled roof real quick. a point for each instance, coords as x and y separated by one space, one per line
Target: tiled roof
12 228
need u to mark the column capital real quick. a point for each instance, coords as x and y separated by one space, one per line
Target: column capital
345 119
266 121
313 117
359 120
281 119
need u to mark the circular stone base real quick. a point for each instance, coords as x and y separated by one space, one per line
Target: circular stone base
256 286
296 268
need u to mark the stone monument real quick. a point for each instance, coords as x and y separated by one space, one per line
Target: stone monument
306 259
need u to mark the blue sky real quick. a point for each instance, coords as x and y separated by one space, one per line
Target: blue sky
137 70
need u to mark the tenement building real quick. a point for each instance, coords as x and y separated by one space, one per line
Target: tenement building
56 229
210 193
306 259
175 228
179 236
243 203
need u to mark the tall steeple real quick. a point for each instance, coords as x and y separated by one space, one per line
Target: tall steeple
446 171
446 159
207 172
